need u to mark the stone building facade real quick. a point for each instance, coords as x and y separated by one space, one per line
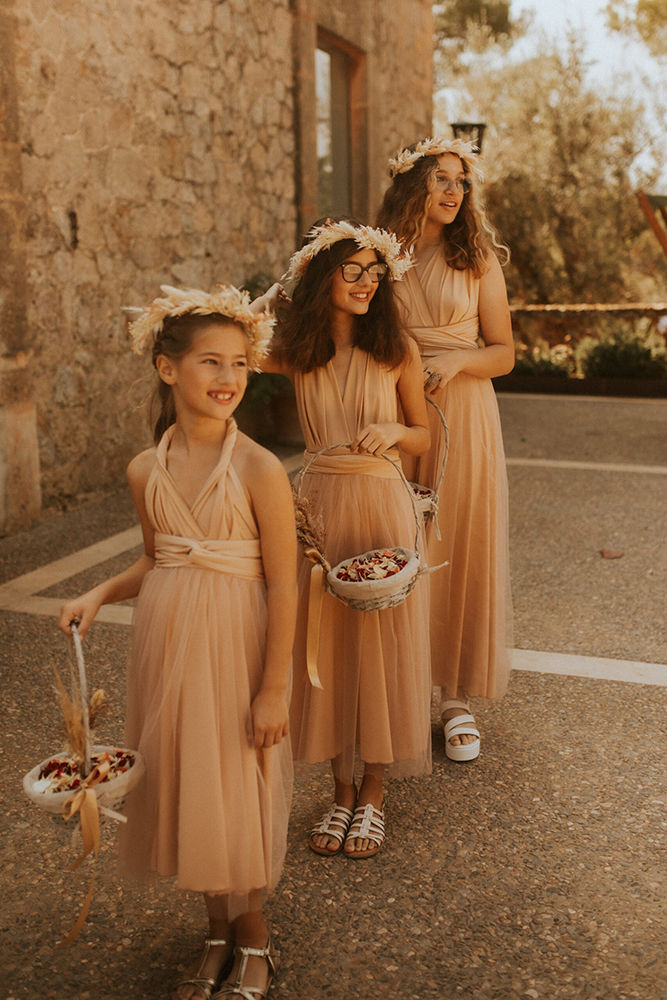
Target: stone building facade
166 141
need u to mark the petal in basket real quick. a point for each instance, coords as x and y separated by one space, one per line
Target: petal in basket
381 578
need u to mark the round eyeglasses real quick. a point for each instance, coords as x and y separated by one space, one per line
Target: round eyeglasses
461 184
353 272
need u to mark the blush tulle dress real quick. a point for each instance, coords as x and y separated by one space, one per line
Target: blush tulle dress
213 810
374 667
471 607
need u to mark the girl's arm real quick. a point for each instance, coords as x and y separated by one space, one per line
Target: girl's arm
127 584
497 357
268 302
413 436
271 497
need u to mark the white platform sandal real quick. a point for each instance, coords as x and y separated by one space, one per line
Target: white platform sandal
460 725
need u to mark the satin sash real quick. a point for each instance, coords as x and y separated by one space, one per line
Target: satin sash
237 558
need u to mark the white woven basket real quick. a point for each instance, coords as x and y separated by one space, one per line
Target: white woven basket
110 794
376 595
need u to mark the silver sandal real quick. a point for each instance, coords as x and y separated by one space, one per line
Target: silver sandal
205 983
236 988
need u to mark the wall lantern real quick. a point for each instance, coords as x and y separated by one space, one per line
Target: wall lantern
469 132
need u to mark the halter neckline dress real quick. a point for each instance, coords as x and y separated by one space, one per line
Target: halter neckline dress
471 607
374 667
213 811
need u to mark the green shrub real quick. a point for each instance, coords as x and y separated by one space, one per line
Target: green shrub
621 356
544 361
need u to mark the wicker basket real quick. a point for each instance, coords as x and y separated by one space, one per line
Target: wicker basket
376 595
110 794
426 499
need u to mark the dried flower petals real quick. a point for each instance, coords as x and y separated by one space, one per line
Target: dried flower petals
377 565
422 492
59 775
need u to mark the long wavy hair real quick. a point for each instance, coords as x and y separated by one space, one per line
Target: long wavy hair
174 341
303 340
467 240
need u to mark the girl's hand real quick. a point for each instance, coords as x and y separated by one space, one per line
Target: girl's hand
82 609
377 438
446 366
269 719
268 302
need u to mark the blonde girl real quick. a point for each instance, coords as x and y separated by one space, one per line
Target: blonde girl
351 363
208 672
454 298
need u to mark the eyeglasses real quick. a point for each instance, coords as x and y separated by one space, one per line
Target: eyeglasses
461 184
353 272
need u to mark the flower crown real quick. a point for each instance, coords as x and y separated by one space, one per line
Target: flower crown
322 237
406 158
228 302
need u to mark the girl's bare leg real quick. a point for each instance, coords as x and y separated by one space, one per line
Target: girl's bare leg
251 931
218 956
370 791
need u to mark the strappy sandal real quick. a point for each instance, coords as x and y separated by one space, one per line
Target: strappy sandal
334 823
460 725
236 988
367 824
204 983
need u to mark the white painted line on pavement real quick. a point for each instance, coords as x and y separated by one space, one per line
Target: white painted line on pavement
565 664
77 562
556 463
566 397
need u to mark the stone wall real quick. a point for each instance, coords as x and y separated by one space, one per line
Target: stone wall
160 141
157 147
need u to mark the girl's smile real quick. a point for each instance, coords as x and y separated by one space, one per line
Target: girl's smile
354 297
210 380
444 204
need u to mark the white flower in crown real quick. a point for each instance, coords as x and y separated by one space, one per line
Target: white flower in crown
405 159
229 302
322 237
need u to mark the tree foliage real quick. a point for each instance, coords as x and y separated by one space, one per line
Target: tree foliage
643 19
562 163
464 27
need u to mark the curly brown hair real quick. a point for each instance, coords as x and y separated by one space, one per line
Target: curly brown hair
303 340
467 240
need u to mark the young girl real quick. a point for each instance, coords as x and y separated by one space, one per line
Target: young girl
455 294
212 637
342 346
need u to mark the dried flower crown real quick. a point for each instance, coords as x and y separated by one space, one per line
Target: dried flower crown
406 158
229 302
322 237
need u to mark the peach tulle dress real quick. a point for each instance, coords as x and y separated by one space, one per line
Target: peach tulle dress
374 667
213 811
471 608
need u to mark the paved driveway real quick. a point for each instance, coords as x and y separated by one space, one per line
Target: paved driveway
537 871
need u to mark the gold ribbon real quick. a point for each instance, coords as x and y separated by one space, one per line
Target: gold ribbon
84 801
318 586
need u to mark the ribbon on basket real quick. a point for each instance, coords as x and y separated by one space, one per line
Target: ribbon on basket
84 802
317 590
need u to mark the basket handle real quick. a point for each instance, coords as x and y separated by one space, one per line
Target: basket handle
83 693
446 429
345 444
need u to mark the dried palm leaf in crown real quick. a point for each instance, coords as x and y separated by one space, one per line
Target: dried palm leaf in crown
229 302
322 237
406 158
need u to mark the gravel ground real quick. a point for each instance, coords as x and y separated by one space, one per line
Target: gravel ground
535 872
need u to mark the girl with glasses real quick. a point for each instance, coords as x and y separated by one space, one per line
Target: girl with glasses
453 297
351 362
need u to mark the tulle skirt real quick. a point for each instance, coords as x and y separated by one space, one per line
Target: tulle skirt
471 605
213 810
374 667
